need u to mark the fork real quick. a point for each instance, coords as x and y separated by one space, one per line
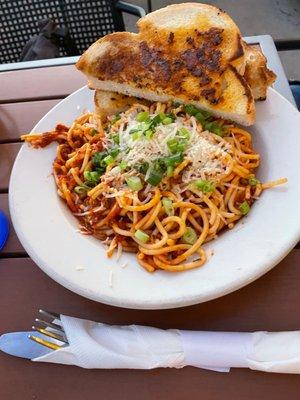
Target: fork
53 330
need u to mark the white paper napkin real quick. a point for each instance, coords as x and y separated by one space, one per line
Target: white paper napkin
97 345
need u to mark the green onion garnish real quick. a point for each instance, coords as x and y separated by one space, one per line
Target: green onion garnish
122 165
142 116
141 236
214 127
93 132
189 236
205 186
177 145
149 133
114 152
153 177
172 145
134 182
200 115
81 189
185 133
244 208
109 160
167 121
173 160
191 109
142 168
115 138
168 205
137 135
170 171
253 181
91 177
98 157
115 118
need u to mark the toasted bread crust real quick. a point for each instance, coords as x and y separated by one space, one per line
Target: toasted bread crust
172 59
195 72
257 75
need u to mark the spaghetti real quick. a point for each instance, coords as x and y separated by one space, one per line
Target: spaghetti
158 180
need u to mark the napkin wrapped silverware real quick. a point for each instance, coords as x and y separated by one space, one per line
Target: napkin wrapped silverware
97 345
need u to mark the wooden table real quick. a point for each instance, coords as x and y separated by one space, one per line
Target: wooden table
271 303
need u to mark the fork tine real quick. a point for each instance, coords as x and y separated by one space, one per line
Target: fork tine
49 314
52 335
45 343
48 324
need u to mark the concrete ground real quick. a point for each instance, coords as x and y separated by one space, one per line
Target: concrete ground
278 18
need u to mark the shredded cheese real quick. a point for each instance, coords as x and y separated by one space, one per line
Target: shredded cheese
207 154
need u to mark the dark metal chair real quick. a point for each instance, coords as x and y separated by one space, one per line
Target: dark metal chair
86 21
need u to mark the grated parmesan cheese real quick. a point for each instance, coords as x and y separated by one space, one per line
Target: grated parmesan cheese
207 154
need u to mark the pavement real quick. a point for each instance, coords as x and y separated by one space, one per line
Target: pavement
278 18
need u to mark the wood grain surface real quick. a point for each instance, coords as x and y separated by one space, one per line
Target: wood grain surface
272 303
40 83
19 118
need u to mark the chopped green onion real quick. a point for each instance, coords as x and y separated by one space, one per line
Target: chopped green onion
191 109
137 135
167 121
134 182
177 145
205 186
185 133
115 138
153 177
253 181
142 116
155 121
189 236
200 118
142 168
200 115
93 131
172 145
122 165
172 116
98 157
109 160
141 236
168 205
134 130
181 146
100 170
91 177
115 118
170 171
173 160
244 208
214 127
114 152
159 165
81 189
149 133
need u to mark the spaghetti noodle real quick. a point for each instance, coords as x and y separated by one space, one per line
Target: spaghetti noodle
158 180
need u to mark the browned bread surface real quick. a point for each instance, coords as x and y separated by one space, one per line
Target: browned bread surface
188 52
257 75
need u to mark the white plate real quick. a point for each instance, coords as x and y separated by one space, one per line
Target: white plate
48 231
